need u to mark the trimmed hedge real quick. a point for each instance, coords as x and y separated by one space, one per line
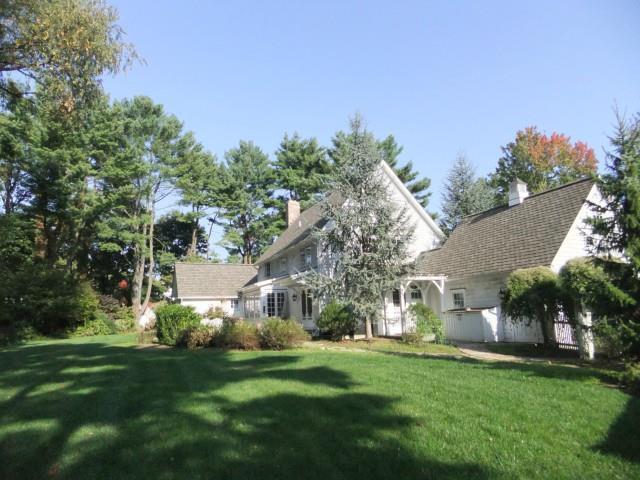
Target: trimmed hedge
337 320
172 320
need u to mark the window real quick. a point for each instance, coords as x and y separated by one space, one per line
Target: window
416 294
458 298
267 270
396 297
307 304
305 257
234 303
283 265
276 304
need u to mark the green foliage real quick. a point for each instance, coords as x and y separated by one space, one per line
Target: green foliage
427 323
172 320
279 334
369 233
630 377
463 194
214 312
533 294
250 220
17 241
301 168
67 44
198 336
100 324
236 333
337 320
542 162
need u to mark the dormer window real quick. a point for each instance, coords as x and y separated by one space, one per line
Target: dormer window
283 265
267 269
305 257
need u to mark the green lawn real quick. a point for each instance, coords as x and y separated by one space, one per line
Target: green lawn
101 408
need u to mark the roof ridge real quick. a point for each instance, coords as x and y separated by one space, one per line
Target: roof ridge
217 264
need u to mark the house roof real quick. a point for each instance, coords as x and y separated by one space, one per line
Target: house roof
308 220
507 238
211 280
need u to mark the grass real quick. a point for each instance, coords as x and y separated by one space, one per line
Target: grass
102 408
390 345
532 350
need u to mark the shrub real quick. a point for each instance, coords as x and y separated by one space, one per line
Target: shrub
99 325
278 334
630 377
236 333
199 336
124 320
427 323
171 320
533 294
214 312
337 320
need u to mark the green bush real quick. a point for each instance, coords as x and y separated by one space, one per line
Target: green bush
533 294
199 336
216 312
337 320
171 320
99 325
630 377
278 334
236 333
427 323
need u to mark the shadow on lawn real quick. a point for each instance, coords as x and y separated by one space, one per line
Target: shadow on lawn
120 412
623 438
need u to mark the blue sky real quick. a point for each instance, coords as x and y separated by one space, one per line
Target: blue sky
443 77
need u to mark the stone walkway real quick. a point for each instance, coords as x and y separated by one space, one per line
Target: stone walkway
480 351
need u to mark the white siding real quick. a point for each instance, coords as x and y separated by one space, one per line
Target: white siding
480 291
575 243
201 306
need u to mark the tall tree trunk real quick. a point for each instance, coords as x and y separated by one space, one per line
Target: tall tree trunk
151 266
138 276
194 239
367 328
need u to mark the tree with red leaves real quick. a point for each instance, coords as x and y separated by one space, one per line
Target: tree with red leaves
542 161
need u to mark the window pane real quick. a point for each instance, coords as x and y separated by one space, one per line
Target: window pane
396 297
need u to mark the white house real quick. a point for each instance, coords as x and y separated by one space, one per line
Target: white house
280 289
211 285
545 229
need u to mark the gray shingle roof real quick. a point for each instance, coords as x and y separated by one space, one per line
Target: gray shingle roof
309 219
211 280
507 238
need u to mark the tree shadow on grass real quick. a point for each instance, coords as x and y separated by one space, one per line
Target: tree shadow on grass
623 438
73 410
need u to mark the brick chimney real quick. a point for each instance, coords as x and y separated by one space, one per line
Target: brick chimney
293 211
517 192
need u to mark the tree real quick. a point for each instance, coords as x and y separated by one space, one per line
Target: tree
616 227
542 162
369 234
463 194
389 151
198 178
67 44
250 219
301 168
138 155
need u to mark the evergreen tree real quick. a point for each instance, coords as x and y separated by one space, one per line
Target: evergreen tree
248 208
369 235
463 194
198 180
301 168
389 151
616 230
542 162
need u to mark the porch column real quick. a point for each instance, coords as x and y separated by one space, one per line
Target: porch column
403 307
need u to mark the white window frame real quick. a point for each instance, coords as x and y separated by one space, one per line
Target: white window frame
283 265
414 292
454 293
305 257
267 269
234 303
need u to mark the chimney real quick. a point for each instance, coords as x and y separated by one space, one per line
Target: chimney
293 211
517 192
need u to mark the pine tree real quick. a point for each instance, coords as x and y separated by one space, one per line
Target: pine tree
248 208
389 151
301 168
463 194
369 233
